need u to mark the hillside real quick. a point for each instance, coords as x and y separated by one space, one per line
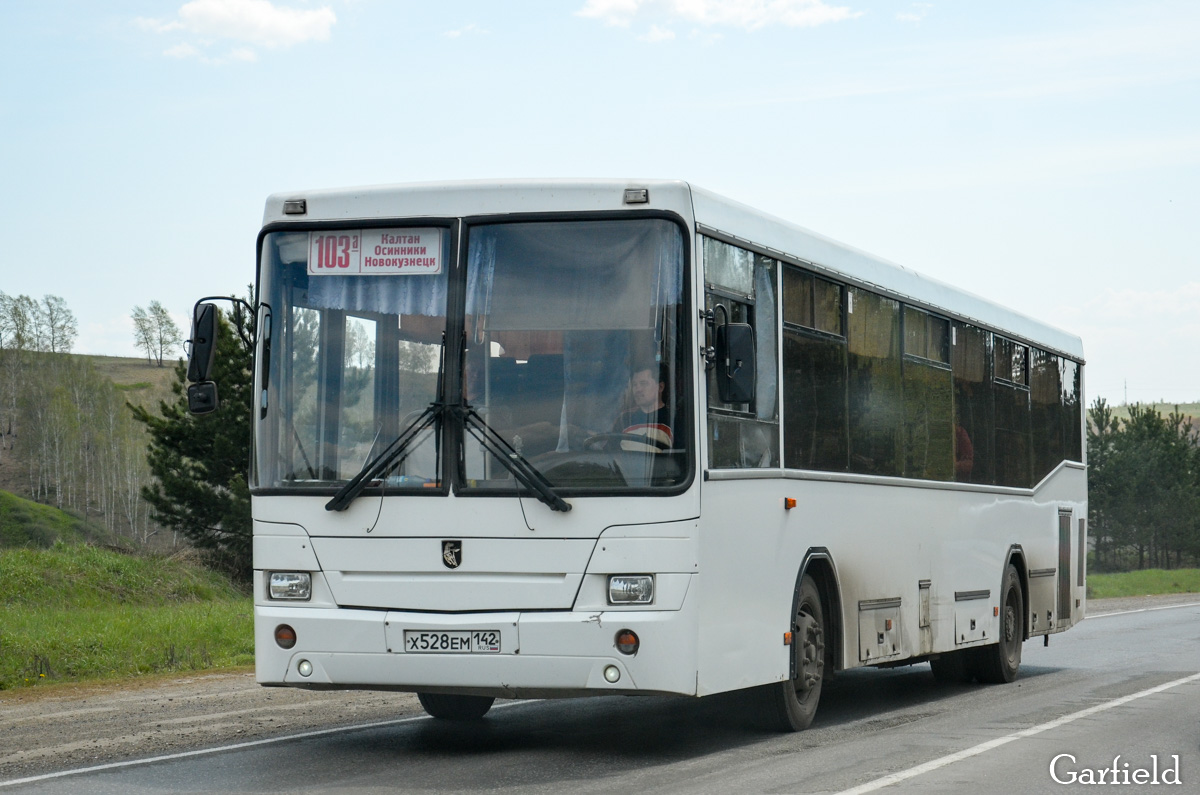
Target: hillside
75 612
136 381
69 439
141 381
24 523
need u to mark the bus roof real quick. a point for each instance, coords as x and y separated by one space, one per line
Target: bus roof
709 211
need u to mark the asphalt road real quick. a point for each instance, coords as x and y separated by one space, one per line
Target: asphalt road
1124 684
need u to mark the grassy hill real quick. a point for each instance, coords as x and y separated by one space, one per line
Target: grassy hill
141 381
24 523
75 612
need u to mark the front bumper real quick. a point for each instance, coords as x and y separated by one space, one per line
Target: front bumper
542 654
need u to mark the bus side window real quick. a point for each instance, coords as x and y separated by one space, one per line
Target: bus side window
744 435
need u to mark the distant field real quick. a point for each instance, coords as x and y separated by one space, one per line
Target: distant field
1143 583
141 381
1187 409
75 613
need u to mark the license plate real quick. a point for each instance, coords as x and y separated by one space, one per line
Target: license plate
452 641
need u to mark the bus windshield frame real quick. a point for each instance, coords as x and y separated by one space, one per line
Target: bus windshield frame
565 337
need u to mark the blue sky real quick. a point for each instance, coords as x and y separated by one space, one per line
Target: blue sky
1043 154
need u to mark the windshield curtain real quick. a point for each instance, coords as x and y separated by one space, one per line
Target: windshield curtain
354 355
574 353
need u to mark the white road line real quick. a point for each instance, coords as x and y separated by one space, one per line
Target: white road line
912 772
235 746
206 751
1143 610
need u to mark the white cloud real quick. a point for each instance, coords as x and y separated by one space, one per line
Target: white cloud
181 51
259 23
157 25
748 14
918 12
465 31
658 34
242 54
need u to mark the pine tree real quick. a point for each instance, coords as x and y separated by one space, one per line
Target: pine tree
199 463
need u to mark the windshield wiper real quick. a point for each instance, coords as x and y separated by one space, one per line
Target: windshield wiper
391 456
512 460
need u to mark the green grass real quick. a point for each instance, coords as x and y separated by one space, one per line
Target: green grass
74 613
24 523
1147 582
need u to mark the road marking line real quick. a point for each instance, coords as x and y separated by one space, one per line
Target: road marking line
912 772
1143 610
220 748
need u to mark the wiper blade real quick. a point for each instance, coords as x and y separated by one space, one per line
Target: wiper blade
391 456
513 461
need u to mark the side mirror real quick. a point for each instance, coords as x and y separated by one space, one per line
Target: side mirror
202 397
735 362
204 345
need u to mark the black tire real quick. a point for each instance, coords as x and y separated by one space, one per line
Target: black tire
952 668
447 707
791 706
998 664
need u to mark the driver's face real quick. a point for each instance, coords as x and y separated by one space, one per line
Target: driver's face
646 389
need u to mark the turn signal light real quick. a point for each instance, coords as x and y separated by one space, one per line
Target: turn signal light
627 641
285 636
789 503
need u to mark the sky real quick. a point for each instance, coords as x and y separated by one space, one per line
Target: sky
1042 153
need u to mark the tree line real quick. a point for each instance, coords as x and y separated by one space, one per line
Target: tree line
66 431
66 426
1143 489
84 447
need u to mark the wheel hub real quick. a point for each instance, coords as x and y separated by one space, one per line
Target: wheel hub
810 662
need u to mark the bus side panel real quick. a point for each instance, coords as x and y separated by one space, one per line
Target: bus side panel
886 541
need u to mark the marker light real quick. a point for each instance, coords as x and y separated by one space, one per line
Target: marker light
631 589
290 585
627 641
285 636
612 674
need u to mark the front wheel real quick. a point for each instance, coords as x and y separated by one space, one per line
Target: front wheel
791 706
998 664
446 707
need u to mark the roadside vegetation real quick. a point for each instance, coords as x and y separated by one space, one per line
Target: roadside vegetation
74 612
1143 583
1143 488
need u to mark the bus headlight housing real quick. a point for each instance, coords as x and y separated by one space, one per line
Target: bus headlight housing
631 589
294 586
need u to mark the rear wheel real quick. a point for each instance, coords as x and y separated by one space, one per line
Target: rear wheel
998 664
448 707
790 706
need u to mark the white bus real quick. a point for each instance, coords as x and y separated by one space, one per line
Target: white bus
572 438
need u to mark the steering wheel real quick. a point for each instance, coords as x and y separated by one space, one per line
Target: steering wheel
609 442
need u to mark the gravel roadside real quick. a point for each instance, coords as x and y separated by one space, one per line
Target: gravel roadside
64 727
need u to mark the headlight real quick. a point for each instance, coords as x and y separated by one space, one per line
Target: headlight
631 589
290 585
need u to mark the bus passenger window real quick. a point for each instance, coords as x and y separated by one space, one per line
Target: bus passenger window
744 435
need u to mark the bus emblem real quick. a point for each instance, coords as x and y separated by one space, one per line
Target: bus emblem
452 554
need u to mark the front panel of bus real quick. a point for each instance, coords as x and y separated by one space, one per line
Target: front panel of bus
475 454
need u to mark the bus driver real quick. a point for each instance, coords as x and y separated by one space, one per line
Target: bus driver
650 416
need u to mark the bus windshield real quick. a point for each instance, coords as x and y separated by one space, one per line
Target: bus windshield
571 352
